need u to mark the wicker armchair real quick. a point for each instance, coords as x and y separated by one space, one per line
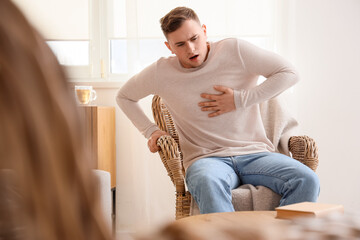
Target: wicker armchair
302 149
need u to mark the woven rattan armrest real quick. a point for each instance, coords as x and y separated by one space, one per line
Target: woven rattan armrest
171 158
304 149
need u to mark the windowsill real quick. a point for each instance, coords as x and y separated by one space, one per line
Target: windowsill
98 85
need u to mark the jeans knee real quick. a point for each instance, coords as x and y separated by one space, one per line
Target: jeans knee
304 186
313 181
205 181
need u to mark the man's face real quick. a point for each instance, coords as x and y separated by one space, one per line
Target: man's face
189 44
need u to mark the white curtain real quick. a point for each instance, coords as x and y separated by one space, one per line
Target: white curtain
58 20
322 37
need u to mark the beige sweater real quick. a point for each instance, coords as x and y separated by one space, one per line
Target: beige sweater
231 62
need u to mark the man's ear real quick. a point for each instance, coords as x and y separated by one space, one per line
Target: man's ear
168 46
204 28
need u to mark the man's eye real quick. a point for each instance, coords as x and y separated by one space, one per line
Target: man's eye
181 44
195 38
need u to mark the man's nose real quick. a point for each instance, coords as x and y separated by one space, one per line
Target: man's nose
190 47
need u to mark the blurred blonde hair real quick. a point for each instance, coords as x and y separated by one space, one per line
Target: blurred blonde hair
46 186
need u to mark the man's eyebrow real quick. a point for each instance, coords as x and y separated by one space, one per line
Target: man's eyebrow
182 42
179 43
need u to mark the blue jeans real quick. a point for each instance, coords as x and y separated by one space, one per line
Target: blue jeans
211 179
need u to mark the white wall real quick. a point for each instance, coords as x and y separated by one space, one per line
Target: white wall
323 40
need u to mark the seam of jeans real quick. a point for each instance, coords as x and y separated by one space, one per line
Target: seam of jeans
256 173
192 194
234 166
287 185
265 174
229 179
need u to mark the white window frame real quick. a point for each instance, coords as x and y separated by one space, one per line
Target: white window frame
98 72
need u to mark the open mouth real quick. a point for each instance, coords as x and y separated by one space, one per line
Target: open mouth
194 57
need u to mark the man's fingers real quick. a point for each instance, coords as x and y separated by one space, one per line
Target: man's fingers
152 141
209 109
213 97
222 89
219 103
214 114
208 104
152 145
218 88
154 148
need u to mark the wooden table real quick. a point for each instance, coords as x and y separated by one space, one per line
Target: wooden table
258 225
252 225
231 217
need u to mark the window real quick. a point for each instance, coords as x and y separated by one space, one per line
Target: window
71 53
65 26
97 40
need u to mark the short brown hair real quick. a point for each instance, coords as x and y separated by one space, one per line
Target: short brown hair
175 18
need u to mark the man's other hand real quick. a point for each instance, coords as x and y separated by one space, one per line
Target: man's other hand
219 103
153 140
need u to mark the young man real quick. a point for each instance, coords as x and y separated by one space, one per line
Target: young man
211 90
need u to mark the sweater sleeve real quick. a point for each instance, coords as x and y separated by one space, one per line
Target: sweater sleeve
138 87
279 73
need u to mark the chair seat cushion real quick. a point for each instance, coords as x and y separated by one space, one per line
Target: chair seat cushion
248 198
